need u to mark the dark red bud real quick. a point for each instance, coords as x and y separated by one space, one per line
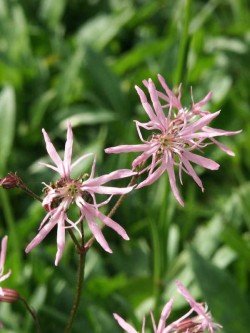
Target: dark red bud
10 181
9 295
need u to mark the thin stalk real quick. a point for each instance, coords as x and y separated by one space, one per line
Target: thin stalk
158 224
79 284
30 193
72 235
32 312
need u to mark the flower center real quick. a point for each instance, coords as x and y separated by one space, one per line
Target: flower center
69 188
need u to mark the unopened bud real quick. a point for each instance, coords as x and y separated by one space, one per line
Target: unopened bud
10 181
9 295
187 325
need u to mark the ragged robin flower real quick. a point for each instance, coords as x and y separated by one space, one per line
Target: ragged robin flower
66 191
177 139
188 323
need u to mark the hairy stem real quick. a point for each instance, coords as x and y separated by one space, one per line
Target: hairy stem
79 284
32 312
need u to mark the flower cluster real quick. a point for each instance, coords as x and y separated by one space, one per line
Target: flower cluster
177 138
82 192
176 135
199 323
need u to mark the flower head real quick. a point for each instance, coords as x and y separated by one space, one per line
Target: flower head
2 261
185 324
82 192
177 133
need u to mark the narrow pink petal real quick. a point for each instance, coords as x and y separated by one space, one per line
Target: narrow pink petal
50 166
148 126
143 325
118 174
196 106
223 147
5 276
153 322
146 105
146 154
200 160
93 169
42 234
191 172
126 149
126 326
197 307
152 177
171 175
164 316
170 328
96 231
52 151
217 132
60 239
172 99
80 159
112 224
109 190
68 150
209 132
157 105
197 125
3 253
45 219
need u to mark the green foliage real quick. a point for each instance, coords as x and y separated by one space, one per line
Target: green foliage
80 60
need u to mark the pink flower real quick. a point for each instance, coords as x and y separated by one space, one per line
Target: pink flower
66 191
174 138
185 324
199 323
2 261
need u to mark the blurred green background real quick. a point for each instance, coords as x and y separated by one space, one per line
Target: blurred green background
80 60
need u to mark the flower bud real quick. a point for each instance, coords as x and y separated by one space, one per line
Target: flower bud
9 295
10 181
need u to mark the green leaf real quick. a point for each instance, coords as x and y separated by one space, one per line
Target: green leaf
51 11
7 124
225 300
106 84
99 31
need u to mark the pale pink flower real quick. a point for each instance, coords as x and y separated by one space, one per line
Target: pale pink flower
201 322
174 138
2 261
66 191
185 324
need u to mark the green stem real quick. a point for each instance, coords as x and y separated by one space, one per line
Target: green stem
72 235
181 68
82 250
79 284
33 195
32 312
159 230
